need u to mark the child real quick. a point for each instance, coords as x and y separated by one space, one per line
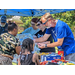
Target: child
26 57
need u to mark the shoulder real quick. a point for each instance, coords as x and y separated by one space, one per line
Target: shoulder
6 24
61 24
30 28
4 35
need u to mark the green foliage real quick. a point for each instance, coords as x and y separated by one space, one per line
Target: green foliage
68 17
26 21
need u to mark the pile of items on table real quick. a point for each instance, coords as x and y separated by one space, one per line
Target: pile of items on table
45 58
53 59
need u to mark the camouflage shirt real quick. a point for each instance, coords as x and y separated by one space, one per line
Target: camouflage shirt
8 44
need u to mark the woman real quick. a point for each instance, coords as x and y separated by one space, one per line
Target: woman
41 33
33 29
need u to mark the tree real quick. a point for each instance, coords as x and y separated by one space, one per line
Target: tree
26 21
68 17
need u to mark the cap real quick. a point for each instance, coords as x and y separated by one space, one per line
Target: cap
3 19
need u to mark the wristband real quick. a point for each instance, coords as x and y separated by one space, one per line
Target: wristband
45 45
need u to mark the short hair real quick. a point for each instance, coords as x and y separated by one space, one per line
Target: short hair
34 20
11 26
39 20
48 16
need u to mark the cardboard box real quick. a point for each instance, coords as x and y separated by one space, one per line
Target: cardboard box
48 58
52 57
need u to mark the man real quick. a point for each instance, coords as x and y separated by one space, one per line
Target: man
9 45
4 25
62 35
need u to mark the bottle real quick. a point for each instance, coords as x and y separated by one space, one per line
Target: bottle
61 53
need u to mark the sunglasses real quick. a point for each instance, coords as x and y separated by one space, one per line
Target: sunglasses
38 25
40 22
45 22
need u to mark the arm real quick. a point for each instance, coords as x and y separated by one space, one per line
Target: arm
61 34
37 59
18 49
42 39
47 42
58 43
34 37
19 61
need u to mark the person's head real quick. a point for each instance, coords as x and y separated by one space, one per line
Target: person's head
3 21
48 20
27 44
9 22
39 24
13 29
33 23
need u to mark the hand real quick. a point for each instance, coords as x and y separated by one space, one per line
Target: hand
34 40
41 45
34 37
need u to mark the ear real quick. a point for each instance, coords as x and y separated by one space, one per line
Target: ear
14 29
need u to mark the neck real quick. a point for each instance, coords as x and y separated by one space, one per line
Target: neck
35 28
26 52
11 33
56 21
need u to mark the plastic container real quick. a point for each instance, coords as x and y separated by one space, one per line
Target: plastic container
61 53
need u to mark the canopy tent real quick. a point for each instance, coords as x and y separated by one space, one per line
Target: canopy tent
31 12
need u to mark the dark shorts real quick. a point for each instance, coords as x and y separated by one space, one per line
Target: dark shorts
5 60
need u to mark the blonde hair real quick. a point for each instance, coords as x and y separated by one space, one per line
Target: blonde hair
48 16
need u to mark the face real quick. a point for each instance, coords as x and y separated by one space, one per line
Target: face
40 26
33 25
15 31
48 22
44 21
3 24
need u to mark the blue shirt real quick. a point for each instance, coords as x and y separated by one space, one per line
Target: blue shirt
30 30
62 30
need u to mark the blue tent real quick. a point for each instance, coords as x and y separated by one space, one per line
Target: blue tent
31 12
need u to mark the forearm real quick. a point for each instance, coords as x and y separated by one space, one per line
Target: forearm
39 40
53 44
47 42
19 61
